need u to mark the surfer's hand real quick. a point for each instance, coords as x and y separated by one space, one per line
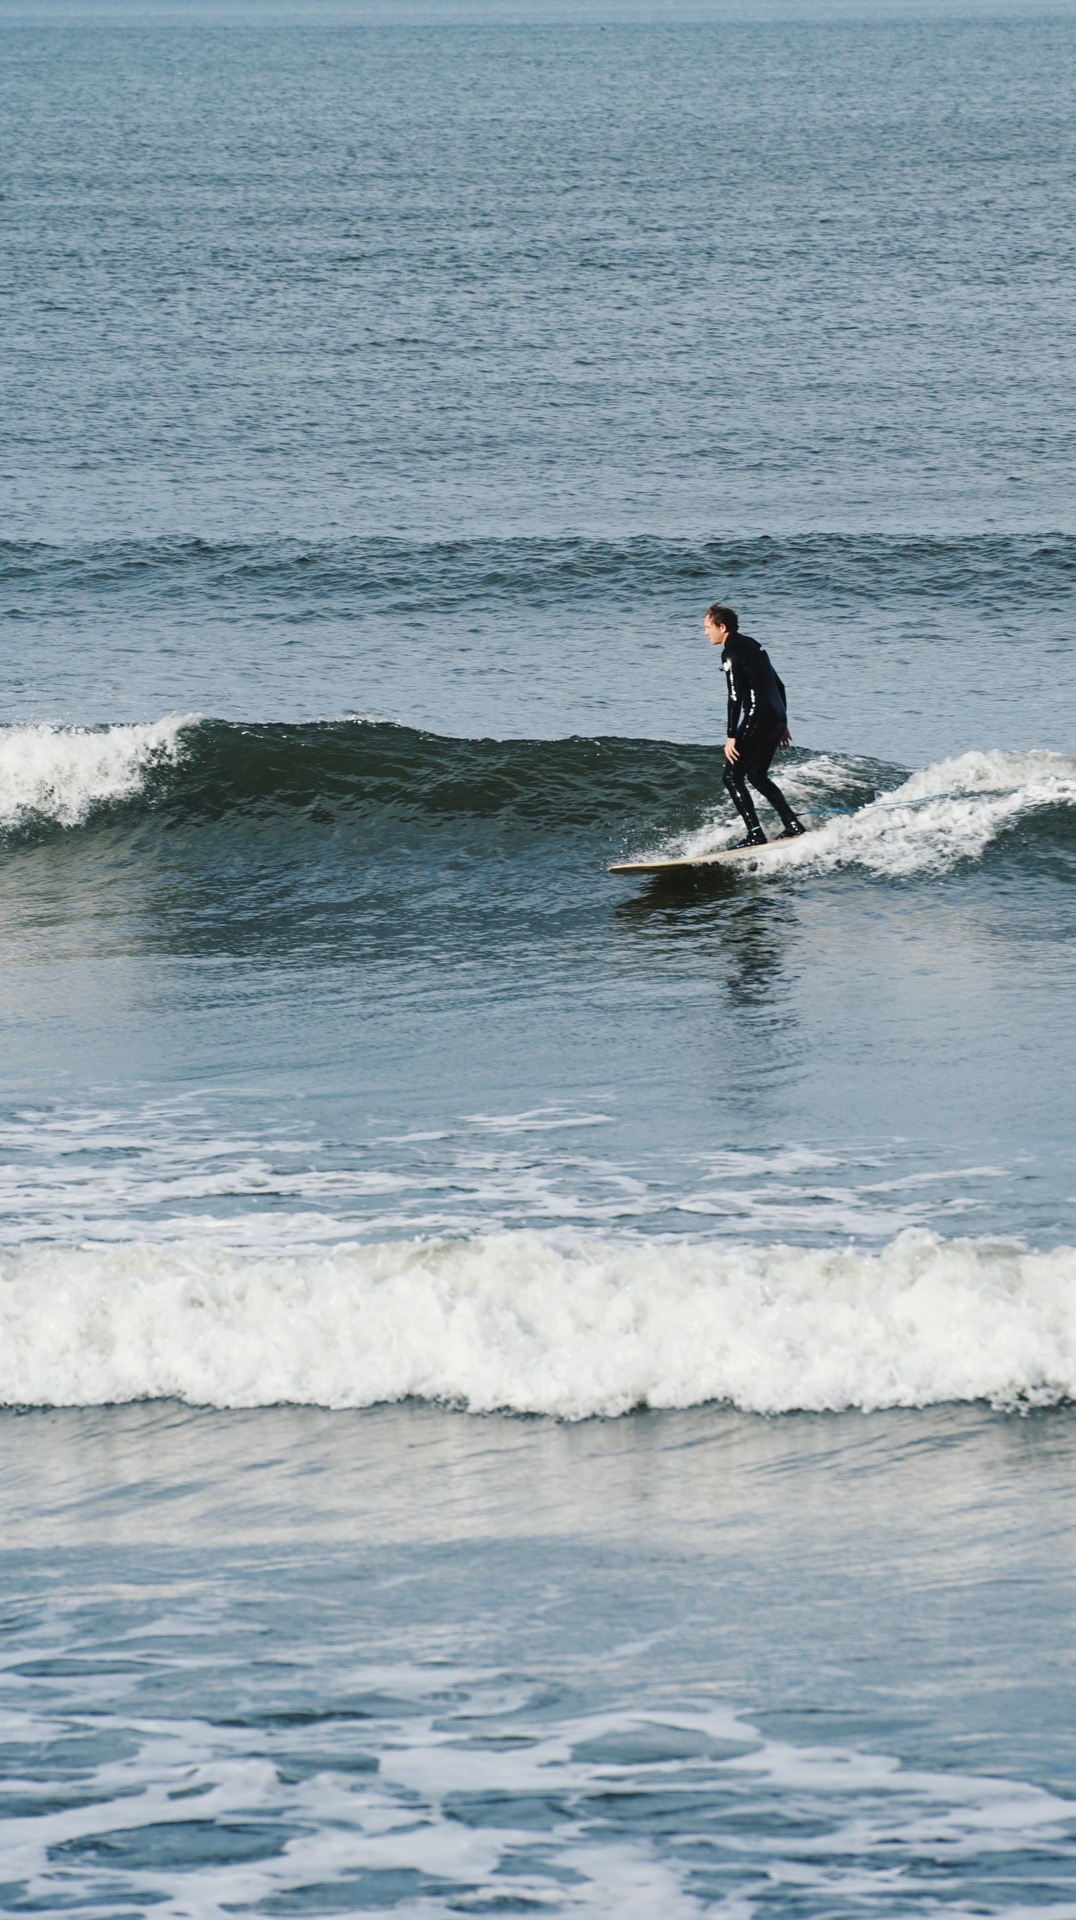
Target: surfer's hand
732 751
786 739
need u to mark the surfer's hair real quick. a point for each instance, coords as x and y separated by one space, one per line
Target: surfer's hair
724 617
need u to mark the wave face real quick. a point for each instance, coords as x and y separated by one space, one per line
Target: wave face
638 795
534 1325
204 769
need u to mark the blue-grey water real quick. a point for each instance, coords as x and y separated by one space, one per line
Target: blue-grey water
528 1391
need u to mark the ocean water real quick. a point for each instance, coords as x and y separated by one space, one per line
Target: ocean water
525 1391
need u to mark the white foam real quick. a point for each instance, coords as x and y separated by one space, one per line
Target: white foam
541 1324
62 773
943 814
169 1168
644 1809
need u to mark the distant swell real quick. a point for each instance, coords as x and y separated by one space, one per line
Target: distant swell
294 580
524 1323
379 781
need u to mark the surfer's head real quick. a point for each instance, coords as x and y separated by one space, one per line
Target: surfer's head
721 624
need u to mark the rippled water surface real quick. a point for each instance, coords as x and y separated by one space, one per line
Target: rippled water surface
529 1390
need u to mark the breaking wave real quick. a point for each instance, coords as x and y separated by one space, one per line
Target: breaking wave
626 796
539 1325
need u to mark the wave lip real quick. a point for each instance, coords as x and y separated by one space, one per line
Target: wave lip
529 1323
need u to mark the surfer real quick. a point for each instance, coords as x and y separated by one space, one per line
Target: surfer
757 724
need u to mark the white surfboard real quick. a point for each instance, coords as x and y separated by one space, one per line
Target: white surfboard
694 863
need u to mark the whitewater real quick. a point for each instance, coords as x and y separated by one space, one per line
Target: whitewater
527 1324
56 774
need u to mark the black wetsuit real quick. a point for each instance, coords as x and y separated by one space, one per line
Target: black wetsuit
758 721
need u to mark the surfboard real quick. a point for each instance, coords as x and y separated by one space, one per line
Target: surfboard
694 863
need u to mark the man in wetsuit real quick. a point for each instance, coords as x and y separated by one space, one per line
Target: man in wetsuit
757 724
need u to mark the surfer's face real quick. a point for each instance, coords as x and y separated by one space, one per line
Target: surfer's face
717 635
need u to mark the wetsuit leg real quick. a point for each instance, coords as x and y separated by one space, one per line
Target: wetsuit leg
734 777
755 758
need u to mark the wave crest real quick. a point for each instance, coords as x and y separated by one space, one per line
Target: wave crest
62 775
952 811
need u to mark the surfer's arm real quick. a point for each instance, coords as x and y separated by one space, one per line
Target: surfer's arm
786 737
735 700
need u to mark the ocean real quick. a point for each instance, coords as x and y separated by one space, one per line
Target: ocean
522 1390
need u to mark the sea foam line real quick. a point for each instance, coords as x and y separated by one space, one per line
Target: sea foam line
536 1324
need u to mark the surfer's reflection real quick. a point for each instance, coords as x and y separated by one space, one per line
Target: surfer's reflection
680 900
755 949
748 931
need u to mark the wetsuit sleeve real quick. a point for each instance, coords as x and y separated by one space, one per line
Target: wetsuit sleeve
735 696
